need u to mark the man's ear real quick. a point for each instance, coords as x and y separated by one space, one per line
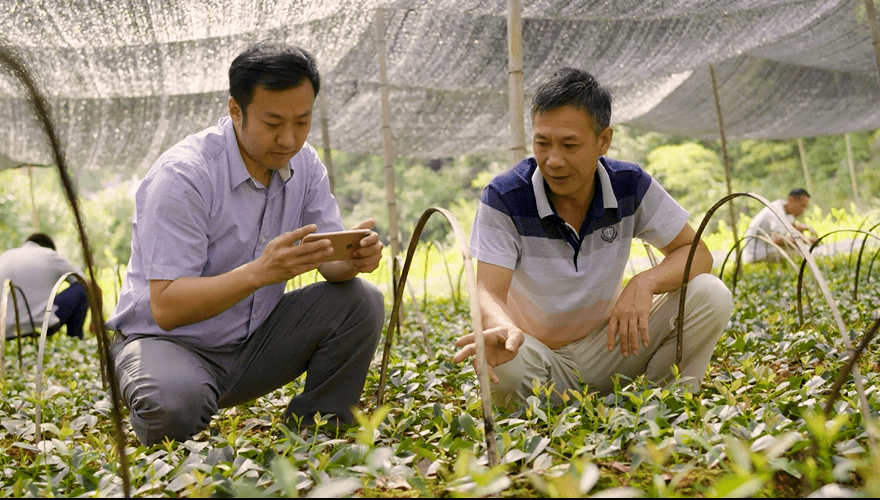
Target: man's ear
235 112
605 139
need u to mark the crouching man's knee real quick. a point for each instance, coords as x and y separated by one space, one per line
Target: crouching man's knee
712 303
177 411
366 307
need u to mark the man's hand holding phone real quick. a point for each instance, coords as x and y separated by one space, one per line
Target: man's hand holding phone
285 257
360 246
344 243
367 256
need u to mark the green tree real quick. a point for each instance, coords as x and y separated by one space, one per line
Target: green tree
691 173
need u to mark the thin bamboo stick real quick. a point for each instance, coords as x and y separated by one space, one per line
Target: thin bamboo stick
387 144
871 12
852 168
325 138
36 214
516 95
727 175
803 155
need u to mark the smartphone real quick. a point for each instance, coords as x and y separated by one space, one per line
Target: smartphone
344 242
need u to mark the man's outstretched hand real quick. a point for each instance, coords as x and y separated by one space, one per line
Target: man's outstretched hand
502 343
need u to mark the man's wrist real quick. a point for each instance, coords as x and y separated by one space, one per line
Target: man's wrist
250 275
645 280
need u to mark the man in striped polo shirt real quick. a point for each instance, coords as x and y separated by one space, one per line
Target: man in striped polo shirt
552 236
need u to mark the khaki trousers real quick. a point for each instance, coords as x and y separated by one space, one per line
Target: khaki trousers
588 366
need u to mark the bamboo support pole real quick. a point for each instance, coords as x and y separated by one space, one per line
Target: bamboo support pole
325 138
516 96
803 155
387 143
36 215
852 168
727 175
871 12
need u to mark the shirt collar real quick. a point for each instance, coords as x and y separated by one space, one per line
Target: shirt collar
238 172
609 200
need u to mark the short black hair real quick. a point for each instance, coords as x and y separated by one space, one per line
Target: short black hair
42 239
274 66
576 88
798 192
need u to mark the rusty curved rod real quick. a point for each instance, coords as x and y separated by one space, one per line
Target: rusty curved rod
740 248
18 333
679 323
44 331
6 290
804 263
652 258
852 244
476 320
817 275
859 261
841 378
13 62
425 280
871 264
9 286
778 248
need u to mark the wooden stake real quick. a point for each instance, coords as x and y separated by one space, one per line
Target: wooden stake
803 155
516 95
852 168
33 200
325 138
726 158
871 12
387 143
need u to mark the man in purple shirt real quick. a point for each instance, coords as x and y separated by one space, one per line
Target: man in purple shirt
203 321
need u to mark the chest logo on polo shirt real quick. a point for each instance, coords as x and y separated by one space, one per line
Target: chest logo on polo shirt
608 234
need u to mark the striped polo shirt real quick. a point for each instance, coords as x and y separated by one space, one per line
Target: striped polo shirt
566 281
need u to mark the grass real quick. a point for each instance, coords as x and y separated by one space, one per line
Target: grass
755 429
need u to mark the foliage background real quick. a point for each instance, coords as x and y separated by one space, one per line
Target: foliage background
692 171
751 432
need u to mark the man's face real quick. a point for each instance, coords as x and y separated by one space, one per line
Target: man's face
567 150
797 204
275 128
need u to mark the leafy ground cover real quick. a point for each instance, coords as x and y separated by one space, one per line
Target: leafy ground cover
755 429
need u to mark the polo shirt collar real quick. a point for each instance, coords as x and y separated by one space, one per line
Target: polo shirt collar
238 172
609 200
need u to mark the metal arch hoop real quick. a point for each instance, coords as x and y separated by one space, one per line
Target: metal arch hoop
817 275
44 331
9 288
814 245
739 249
859 261
780 250
476 320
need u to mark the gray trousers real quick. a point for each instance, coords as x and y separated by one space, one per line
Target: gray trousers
327 330
588 362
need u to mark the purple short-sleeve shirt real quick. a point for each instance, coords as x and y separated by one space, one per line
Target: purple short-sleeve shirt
199 213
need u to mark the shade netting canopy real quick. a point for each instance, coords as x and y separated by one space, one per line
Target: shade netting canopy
129 78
